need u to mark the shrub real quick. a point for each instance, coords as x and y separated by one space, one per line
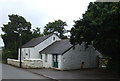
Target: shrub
8 54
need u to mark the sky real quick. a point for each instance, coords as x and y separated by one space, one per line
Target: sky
40 12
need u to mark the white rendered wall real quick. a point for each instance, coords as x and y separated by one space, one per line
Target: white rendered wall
74 57
43 45
49 63
59 61
25 51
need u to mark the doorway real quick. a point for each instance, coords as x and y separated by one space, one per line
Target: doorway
55 60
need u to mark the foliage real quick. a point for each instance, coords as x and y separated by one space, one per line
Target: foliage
55 27
100 26
7 53
12 30
36 32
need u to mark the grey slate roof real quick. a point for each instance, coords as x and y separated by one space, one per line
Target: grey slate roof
58 47
35 41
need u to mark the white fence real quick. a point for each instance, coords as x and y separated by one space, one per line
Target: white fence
31 63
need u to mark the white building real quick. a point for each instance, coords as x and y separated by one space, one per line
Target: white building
60 54
31 50
1 45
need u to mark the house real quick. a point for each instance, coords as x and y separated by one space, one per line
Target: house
60 54
1 49
1 45
31 50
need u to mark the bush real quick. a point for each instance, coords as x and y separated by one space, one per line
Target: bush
114 65
8 54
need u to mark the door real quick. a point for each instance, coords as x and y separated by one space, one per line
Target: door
55 60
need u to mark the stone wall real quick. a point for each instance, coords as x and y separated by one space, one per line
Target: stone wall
31 63
13 62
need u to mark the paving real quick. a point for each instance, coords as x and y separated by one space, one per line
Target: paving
0 71
10 72
76 74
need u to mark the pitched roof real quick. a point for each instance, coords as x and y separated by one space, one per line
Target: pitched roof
35 41
58 47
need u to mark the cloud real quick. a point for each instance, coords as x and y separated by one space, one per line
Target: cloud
40 12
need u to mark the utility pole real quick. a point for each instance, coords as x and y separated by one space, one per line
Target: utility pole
20 42
20 35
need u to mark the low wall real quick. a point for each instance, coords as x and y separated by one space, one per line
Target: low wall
13 62
31 63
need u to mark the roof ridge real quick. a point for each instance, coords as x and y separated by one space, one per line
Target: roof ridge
44 35
62 40
65 39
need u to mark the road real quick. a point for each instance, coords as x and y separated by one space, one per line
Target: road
77 74
0 71
10 72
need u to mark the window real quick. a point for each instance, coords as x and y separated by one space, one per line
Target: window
55 58
53 38
40 55
45 57
26 53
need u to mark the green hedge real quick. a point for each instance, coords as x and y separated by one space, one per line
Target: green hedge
9 54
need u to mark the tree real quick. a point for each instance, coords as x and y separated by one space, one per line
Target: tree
100 26
36 33
12 30
56 26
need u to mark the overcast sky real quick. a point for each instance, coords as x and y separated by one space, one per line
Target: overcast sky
40 12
